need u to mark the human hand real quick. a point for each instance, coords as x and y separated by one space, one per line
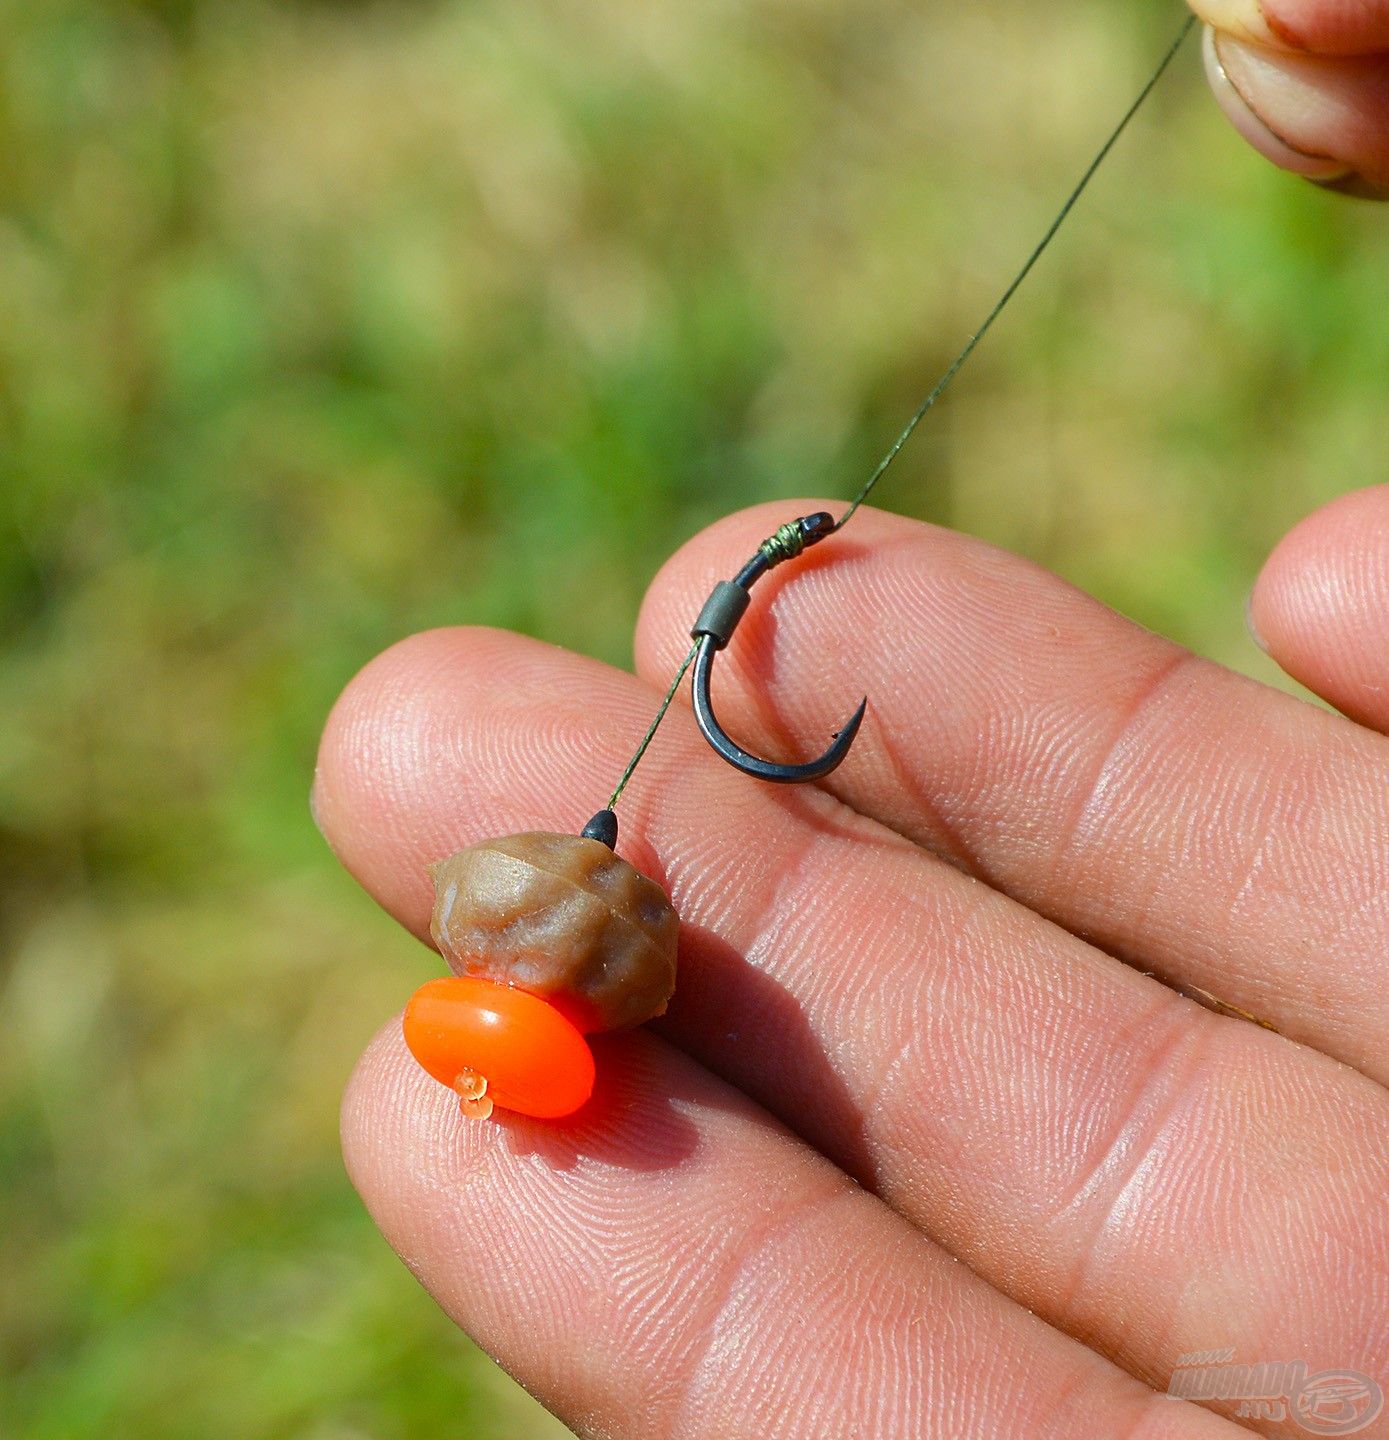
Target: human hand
932 976
1306 82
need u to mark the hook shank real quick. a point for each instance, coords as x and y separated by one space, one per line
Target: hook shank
713 630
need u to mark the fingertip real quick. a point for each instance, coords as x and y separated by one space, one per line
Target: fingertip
1325 118
373 737
1320 606
386 688
1222 57
396 1125
374 724
379 1070
399 741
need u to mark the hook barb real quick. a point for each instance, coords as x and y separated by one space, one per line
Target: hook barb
714 629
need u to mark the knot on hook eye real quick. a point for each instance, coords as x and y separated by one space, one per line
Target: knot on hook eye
714 628
788 540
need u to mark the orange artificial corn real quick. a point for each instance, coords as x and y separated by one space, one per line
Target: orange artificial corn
497 1045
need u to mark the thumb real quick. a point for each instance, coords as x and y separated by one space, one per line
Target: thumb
1306 82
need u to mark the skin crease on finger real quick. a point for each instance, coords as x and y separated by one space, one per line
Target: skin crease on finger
672 1263
1157 1197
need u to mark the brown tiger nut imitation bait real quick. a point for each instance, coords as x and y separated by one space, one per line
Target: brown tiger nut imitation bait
564 918
551 937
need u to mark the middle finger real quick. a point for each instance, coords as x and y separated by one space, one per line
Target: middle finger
1183 817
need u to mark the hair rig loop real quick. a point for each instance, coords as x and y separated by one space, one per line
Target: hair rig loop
714 629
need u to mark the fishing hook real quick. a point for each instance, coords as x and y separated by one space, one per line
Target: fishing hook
714 629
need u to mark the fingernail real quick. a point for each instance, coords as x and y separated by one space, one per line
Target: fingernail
1221 55
1251 626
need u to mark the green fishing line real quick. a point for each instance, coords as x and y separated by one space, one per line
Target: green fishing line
785 543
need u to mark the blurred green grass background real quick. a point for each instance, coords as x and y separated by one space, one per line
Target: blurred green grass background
320 323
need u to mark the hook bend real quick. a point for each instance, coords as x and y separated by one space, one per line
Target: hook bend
714 629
